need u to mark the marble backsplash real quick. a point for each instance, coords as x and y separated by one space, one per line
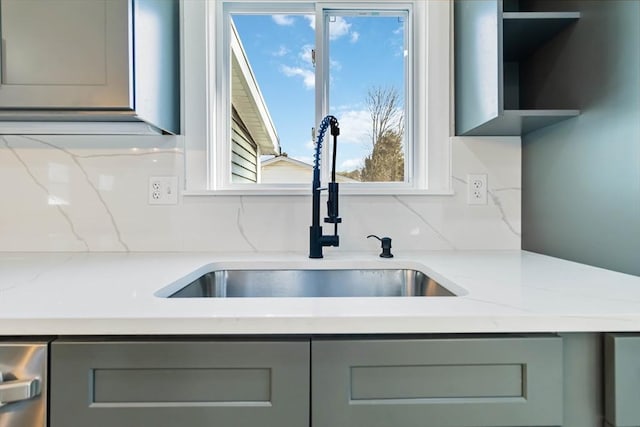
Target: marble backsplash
89 193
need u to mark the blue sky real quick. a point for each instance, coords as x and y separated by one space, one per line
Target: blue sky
364 52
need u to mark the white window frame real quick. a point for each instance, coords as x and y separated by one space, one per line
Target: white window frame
205 98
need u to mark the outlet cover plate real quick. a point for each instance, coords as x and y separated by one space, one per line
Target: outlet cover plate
163 190
477 188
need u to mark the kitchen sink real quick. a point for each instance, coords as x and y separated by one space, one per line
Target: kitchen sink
313 283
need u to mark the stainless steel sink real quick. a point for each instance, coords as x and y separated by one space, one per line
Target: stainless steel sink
313 283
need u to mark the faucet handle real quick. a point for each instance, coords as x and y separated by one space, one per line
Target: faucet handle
332 220
386 246
335 127
332 205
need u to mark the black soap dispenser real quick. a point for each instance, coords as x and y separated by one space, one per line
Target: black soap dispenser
386 246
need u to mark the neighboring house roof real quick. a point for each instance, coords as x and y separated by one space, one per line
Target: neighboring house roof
283 169
286 159
248 101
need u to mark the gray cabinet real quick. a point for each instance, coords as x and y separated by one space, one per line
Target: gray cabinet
494 40
480 381
622 380
90 60
179 383
456 382
64 54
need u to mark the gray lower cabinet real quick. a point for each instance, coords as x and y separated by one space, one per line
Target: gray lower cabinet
622 380
470 382
179 383
476 381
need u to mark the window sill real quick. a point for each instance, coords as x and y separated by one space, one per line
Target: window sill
307 192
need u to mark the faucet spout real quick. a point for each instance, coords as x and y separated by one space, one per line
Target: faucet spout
317 240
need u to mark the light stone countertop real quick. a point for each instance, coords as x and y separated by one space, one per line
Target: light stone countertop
121 294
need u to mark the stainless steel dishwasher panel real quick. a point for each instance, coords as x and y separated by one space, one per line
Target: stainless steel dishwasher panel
23 384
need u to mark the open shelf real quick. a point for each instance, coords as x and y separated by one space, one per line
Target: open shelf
488 98
524 32
521 122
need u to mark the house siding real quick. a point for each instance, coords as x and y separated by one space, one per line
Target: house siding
244 152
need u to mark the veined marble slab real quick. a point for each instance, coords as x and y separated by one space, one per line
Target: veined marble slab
116 293
89 194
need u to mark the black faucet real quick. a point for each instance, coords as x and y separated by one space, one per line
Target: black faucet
316 239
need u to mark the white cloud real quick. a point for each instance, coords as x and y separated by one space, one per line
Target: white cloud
355 127
397 43
312 21
305 54
351 164
347 107
282 51
338 28
285 20
308 76
304 69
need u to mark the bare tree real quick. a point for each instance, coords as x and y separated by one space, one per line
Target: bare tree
386 161
386 115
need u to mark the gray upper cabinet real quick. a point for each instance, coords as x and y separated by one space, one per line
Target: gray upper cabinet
65 54
90 60
494 40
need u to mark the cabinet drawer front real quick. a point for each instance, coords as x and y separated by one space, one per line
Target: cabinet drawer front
440 382
191 384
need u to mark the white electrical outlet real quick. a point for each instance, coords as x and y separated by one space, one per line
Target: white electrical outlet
477 188
163 190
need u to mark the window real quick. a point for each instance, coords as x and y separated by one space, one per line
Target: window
276 69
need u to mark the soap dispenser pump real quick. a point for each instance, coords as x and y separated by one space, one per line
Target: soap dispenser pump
386 246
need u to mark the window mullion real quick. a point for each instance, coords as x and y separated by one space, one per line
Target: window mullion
322 84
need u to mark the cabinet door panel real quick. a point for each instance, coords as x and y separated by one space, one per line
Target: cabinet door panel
193 384
470 382
65 53
478 56
622 379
